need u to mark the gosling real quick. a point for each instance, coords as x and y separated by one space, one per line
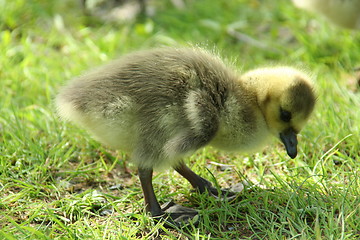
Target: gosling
163 104
345 13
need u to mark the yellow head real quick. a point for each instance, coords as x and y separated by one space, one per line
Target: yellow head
286 98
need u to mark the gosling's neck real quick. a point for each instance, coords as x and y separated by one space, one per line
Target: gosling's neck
259 89
242 126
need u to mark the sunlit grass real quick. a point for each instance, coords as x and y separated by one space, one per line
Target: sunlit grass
58 183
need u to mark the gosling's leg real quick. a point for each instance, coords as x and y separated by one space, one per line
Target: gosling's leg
201 184
151 203
195 180
171 213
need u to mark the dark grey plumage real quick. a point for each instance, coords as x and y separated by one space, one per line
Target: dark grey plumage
157 91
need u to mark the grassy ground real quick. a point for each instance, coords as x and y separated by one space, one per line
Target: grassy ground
57 183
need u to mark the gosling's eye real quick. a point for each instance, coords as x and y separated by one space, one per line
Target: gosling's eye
285 115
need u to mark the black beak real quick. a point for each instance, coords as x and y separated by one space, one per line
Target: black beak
288 137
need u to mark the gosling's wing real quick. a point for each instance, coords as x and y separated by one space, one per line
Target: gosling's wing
176 131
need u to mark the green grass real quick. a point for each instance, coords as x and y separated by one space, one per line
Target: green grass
55 180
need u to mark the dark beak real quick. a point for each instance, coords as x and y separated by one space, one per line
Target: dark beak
288 137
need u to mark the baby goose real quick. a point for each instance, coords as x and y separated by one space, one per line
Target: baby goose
345 13
163 104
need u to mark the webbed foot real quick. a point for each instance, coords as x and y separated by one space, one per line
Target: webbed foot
202 185
177 216
225 193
